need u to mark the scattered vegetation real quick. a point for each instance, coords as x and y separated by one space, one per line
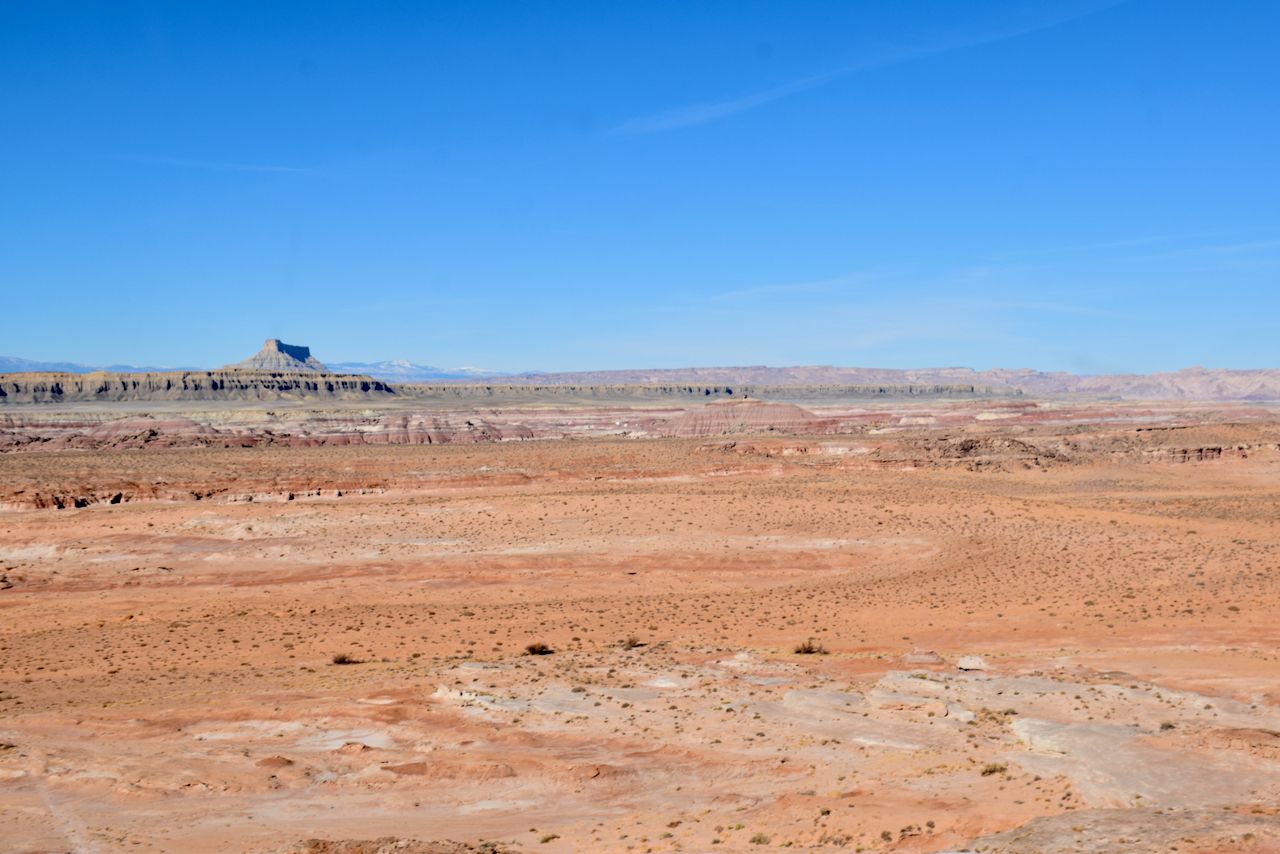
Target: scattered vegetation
810 647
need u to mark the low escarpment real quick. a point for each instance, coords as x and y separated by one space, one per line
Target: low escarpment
516 391
224 385
747 416
1188 384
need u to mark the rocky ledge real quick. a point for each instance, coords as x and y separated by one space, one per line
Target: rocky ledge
225 385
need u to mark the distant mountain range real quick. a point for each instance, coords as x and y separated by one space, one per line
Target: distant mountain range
14 365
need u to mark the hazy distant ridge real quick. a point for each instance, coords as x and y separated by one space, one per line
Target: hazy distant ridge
15 365
1188 384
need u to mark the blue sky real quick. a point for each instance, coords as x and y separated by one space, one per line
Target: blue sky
1087 186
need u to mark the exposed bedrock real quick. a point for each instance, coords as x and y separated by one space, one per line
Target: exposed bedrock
225 385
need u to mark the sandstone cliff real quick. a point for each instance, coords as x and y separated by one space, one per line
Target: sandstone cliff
234 385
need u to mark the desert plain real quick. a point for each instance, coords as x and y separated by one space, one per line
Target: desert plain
1002 626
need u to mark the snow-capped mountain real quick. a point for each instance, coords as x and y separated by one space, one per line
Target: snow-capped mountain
401 370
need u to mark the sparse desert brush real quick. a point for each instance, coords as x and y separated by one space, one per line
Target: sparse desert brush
810 647
344 658
538 648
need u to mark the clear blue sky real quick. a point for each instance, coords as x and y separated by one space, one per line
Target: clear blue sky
1075 185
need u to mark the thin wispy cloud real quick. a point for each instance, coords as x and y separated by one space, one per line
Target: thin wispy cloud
699 114
216 165
1239 248
904 296
710 111
1037 307
834 283
1193 241
1248 250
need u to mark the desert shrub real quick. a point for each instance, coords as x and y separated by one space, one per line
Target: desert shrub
810 647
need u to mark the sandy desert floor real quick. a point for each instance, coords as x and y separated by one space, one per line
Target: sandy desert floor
1070 655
